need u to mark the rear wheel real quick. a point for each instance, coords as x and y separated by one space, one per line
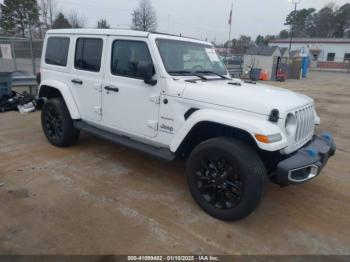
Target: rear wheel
226 178
57 123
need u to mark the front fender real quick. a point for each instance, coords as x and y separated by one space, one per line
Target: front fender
249 123
66 94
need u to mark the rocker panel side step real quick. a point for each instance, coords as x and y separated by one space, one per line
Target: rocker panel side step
160 153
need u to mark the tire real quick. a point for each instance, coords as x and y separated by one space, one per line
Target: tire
57 123
226 178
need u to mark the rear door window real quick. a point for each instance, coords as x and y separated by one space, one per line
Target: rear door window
88 54
57 51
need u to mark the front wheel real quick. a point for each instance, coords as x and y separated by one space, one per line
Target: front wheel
226 178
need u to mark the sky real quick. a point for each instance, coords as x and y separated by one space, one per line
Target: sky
203 19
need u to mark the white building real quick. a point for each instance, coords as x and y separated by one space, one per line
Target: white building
319 49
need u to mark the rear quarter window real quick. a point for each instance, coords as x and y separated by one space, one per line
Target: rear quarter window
88 54
57 51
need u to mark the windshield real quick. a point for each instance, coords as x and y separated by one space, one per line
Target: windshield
181 57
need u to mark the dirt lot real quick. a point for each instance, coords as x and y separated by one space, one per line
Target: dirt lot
98 198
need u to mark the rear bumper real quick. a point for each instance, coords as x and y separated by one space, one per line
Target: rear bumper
307 162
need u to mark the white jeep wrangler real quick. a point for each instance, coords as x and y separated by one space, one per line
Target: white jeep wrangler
171 97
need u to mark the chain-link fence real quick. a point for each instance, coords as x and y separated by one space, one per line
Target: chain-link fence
20 54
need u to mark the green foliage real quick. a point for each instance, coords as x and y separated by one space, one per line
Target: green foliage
322 24
264 40
283 34
17 15
330 21
61 22
298 19
260 40
342 21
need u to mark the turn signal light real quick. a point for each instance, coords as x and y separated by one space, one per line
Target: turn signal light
262 138
268 139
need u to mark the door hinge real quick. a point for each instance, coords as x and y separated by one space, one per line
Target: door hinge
152 124
98 110
98 88
155 99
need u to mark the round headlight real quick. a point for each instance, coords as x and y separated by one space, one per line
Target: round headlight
291 124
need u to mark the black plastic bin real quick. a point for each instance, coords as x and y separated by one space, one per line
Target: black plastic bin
5 83
255 74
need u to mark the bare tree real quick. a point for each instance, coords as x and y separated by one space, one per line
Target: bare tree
52 10
48 12
103 24
43 13
144 17
76 21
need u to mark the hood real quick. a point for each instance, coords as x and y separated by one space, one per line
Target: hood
256 98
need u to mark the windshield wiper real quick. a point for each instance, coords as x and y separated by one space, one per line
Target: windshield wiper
188 73
213 73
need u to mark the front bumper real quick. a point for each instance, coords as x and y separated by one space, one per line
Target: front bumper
307 162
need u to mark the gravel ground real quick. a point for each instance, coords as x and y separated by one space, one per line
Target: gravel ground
98 198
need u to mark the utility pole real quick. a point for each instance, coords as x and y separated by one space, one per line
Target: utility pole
295 2
13 53
31 45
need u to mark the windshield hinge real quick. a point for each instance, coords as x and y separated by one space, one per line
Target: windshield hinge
98 88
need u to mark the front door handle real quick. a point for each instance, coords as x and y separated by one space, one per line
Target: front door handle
77 81
112 89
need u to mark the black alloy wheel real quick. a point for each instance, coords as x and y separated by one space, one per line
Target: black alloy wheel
57 123
226 178
53 123
218 183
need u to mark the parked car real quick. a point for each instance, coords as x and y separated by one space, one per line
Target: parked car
171 97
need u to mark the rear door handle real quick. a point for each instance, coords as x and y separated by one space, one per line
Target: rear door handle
77 81
112 89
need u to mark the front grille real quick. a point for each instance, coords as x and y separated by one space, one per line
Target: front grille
305 123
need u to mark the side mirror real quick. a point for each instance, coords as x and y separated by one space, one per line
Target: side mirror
146 71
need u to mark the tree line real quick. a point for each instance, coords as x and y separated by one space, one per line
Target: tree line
41 15
331 21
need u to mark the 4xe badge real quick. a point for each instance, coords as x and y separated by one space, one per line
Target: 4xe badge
167 129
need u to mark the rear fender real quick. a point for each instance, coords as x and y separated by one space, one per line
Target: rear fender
66 94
